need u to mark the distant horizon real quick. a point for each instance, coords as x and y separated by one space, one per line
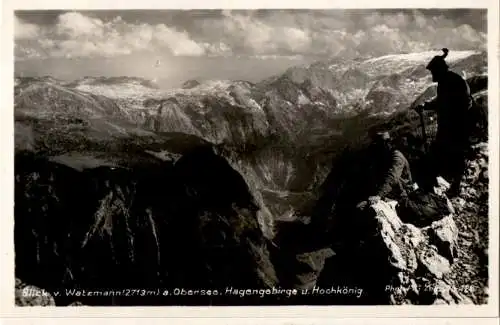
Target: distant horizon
179 45
201 74
251 70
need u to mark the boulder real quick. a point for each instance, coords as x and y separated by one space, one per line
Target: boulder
76 304
299 257
30 295
310 265
444 235
418 259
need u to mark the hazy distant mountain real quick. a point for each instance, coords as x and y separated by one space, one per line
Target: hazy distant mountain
110 81
190 84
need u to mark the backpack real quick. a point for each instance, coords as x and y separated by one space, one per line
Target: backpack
422 208
477 118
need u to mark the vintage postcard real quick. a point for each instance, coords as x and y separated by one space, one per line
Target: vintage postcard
252 161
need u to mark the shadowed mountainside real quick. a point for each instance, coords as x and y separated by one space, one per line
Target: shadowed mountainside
152 224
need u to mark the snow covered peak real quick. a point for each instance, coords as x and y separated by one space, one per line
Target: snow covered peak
395 63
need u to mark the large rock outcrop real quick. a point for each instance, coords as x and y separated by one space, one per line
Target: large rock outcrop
389 261
418 258
442 260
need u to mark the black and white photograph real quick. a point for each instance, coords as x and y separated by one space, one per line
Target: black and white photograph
251 157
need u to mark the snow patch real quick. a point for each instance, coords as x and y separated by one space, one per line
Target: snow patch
396 63
422 57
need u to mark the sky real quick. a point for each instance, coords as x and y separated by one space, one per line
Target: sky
176 45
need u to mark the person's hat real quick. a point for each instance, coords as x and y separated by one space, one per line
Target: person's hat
438 61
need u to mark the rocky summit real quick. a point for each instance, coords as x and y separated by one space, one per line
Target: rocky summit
223 186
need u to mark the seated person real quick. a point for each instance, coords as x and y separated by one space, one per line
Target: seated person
389 171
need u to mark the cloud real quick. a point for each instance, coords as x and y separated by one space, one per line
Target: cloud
23 30
77 35
251 35
287 33
178 43
74 25
355 33
338 33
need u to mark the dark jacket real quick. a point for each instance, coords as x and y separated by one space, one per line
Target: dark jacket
451 104
395 178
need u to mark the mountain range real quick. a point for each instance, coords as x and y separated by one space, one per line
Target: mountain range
217 149
289 124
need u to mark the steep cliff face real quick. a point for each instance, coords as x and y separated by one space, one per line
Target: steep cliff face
156 224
